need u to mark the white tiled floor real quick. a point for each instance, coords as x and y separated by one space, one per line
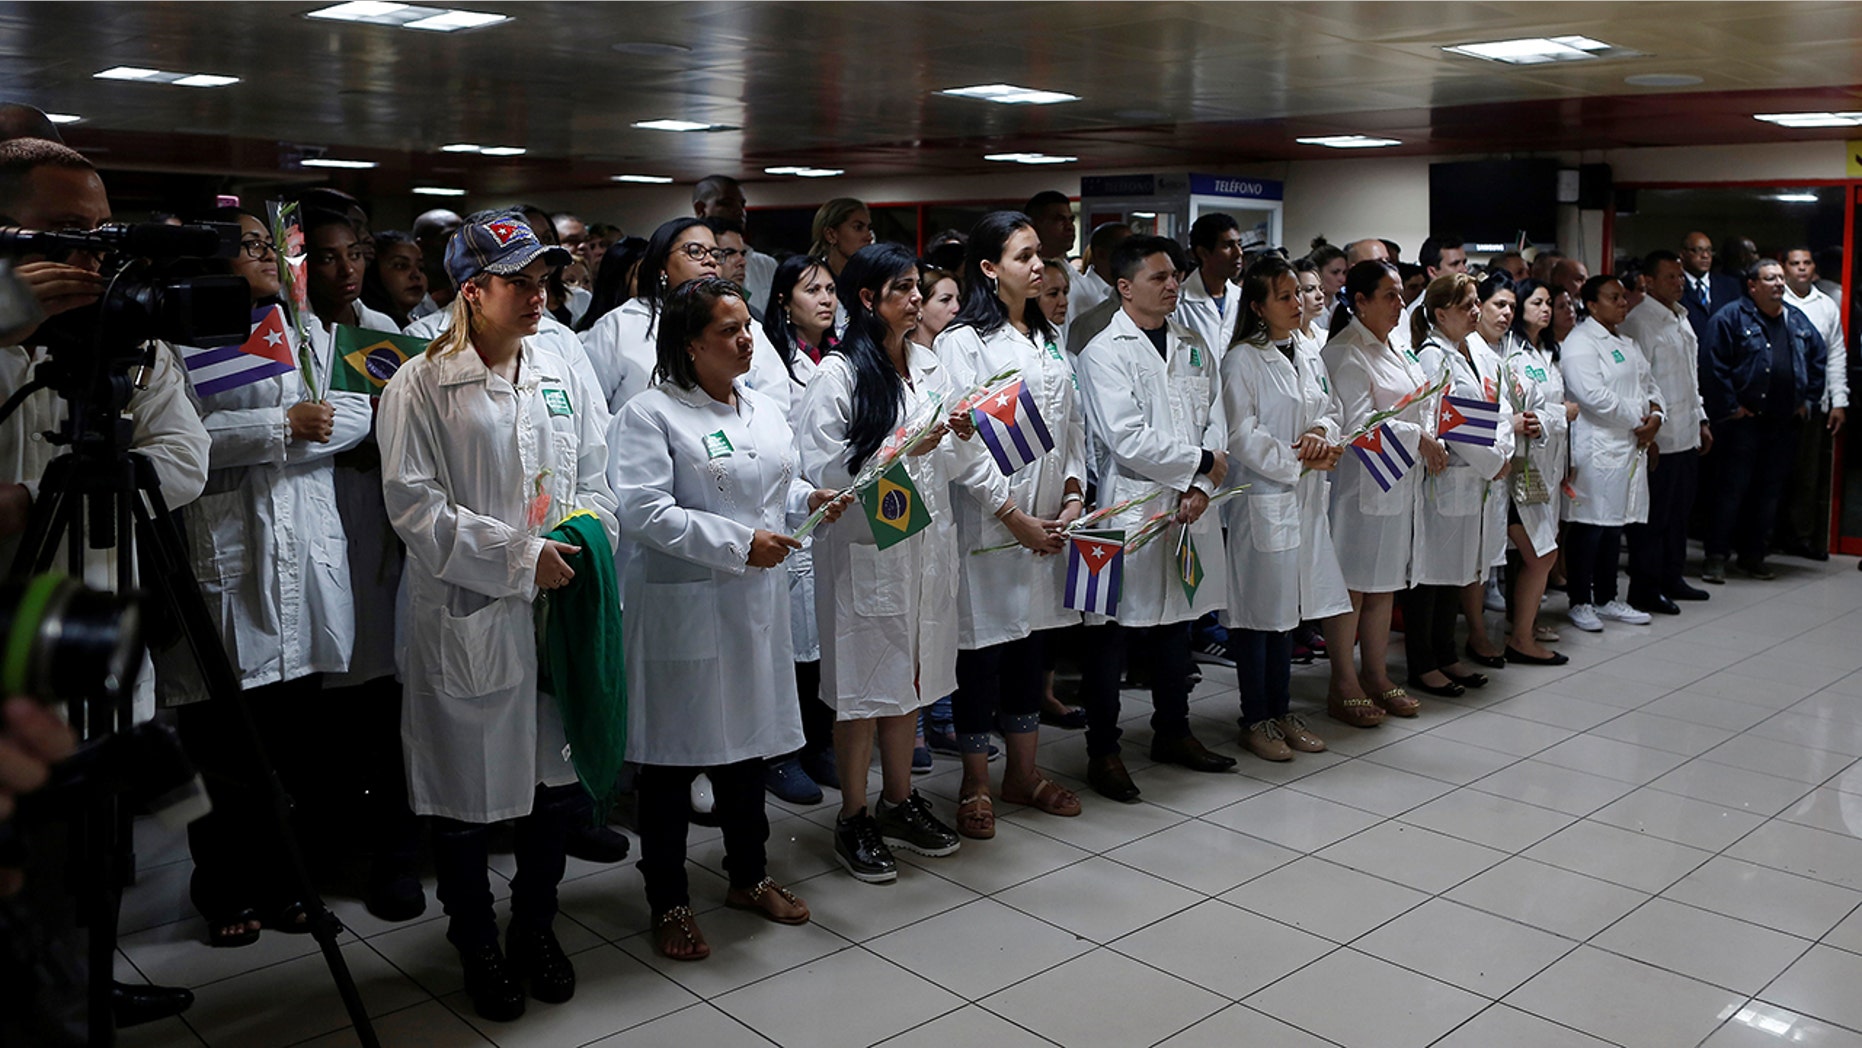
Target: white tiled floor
1658 845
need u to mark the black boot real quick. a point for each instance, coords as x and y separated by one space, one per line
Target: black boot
495 992
537 957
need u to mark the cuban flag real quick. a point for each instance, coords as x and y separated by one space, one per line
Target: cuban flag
1383 455
1095 567
1468 421
265 353
1011 427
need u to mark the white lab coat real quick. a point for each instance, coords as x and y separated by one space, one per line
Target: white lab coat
1609 378
1198 311
1086 290
759 272
375 555
803 628
1006 595
265 537
1269 402
1544 385
1150 419
1461 516
166 430
1665 337
623 351
551 333
710 673
463 454
1373 528
1318 554
1827 317
888 618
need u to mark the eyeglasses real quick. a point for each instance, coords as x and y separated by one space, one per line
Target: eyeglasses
256 249
698 252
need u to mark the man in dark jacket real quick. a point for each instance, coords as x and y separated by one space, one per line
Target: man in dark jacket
1708 290
1761 374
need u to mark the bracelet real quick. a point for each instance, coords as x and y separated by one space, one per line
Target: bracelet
1072 497
1003 513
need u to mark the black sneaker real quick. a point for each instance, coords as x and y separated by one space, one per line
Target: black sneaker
495 992
911 826
1213 651
536 957
858 846
1755 569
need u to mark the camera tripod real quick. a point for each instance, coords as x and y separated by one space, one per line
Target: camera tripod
100 484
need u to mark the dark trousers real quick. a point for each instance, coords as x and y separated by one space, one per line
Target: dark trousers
1429 626
1658 549
1590 562
239 859
1804 510
1101 657
377 788
665 803
461 857
817 715
1755 466
1264 668
1002 678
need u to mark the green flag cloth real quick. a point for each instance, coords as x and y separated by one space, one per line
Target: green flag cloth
581 662
365 360
894 509
1189 565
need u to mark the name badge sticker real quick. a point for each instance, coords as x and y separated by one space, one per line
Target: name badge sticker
557 400
717 445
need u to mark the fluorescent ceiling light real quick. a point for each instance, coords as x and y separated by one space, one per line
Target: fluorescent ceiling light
444 191
503 151
1348 141
320 161
651 180
408 16
680 125
1794 198
1030 158
1009 94
1810 119
805 172
63 118
460 147
1536 50
161 76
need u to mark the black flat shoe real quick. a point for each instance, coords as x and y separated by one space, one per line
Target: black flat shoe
135 1005
1469 680
1451 690
495 992
1515 655
1687 592
1108 777
1492 662
1659 606
1187 752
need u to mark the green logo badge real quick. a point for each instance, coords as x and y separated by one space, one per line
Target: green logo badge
1052 349
717 445
1196 356
1616 355
558 402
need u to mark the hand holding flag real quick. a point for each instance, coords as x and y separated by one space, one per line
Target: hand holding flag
1095 570
903 441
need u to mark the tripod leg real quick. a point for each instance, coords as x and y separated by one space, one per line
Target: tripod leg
167 573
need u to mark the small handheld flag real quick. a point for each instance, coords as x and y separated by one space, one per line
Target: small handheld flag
1189 565
1468 421
894 509
264 354
366 360
1011 427
1095 570
1384 456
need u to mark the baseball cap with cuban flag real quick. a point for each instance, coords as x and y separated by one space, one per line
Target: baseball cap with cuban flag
498 242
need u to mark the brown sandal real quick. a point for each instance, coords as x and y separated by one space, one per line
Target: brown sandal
675 925
1050 797
1359 712
976 817
757 899
1398 703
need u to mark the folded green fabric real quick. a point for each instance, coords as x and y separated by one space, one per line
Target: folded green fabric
582 664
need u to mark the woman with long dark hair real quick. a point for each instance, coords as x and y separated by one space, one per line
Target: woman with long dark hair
1373 524
614 279
888 617
1009 602
394 282
621 344
1534 363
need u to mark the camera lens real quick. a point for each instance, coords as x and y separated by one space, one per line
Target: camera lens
61 641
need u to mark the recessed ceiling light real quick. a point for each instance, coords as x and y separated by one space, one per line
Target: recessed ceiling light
1030 158
1144 214
503 151
460 147
1348 141
651 180
1662 80
445 191
805 172
162 76
408 16
63 118
680 125
348 165
1810 119
1009 94
1536 50
1794 198
646 49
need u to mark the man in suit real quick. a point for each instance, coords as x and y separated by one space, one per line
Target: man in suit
1707 290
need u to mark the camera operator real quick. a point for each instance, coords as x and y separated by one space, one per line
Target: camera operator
46 186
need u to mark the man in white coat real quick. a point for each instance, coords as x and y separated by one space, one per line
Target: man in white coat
1155 419
1095 285
1208 302
1803 528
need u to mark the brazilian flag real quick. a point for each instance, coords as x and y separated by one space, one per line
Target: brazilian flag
894 509
1189 565
366 360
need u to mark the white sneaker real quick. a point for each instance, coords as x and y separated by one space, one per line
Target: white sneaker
1491 597
1621 612
1584 617
702 801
